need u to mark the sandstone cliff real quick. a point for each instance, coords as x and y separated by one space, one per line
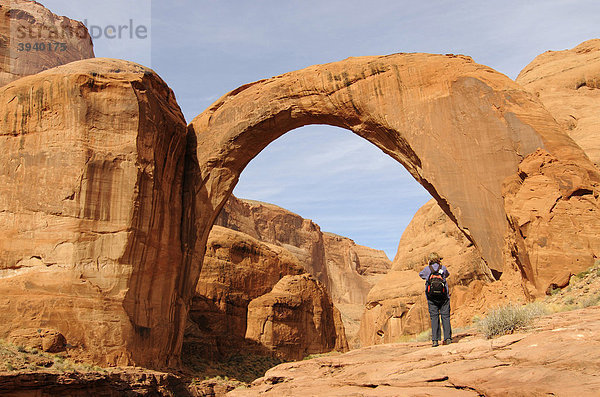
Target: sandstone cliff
91 174
553 208
567 82
33 39
275 225
237 269
347 270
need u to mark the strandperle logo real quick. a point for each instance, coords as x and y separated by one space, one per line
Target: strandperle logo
130 30
123 31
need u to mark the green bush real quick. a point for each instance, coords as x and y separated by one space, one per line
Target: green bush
508 319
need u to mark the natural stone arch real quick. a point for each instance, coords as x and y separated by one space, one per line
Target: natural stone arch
458 127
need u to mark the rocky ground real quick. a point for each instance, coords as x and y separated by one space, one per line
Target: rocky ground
559 355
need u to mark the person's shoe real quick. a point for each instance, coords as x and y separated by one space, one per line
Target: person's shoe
434 343
448 341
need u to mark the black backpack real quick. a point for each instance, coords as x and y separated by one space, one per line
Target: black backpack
435 287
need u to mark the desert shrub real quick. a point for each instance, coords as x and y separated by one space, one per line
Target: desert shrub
508 319
591 301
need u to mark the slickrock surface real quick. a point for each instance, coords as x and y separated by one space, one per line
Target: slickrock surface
26 26
91 172
560 356
295 319
567 82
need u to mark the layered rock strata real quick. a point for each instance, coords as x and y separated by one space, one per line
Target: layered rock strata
347 270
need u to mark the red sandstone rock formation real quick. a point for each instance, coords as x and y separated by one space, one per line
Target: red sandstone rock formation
553 207
237 269
91 175
93 224
567 82
487 122
275 225
347 270
26 26
295 319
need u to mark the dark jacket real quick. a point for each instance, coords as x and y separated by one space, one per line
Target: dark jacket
424 274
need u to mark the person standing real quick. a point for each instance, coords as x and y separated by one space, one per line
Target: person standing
438 298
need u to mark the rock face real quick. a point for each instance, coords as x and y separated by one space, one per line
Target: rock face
347 270
275 225
295 319
26 28
396 306
237 269
90 210
352 269
47 340
115 383
553 209
567 82
431 230
559 357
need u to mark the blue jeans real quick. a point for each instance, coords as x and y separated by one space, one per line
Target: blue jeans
437 309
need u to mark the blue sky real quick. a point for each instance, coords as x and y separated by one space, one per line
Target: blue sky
203 49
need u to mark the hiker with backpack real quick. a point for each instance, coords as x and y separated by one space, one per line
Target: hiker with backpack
438 298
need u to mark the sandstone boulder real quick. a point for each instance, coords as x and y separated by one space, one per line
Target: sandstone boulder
567 82
26 29
295 319
91 174
47 340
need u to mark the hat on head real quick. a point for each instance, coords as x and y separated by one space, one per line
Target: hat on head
433 257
